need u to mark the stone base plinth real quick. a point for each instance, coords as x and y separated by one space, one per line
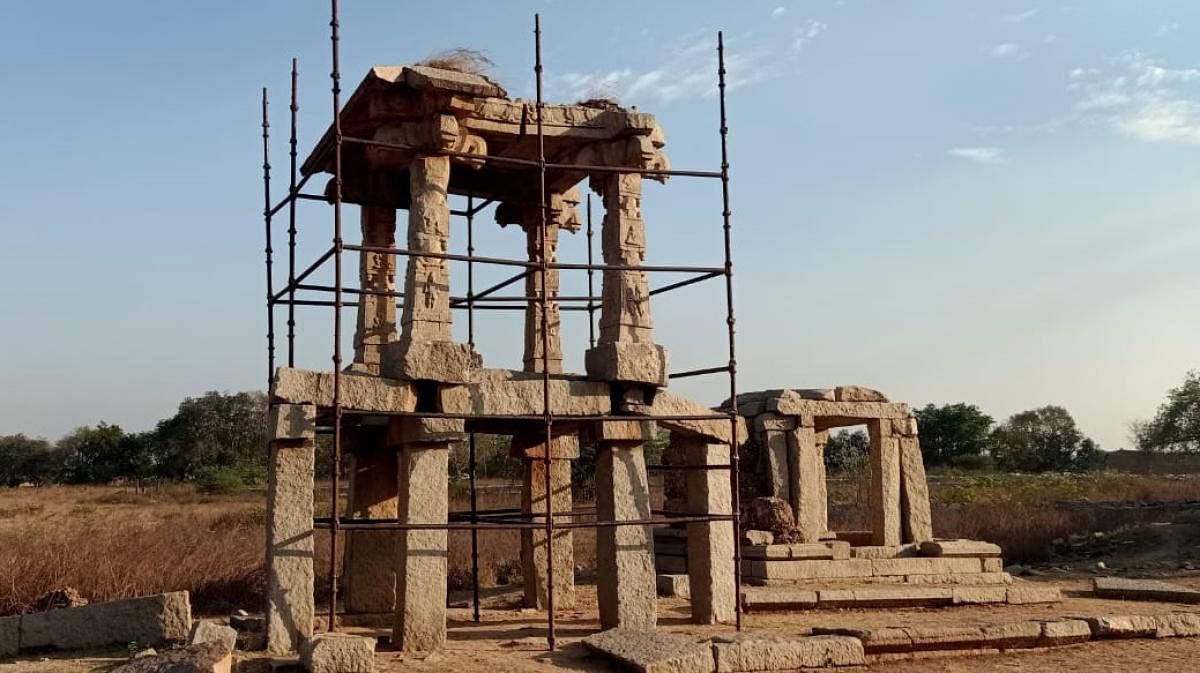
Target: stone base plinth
441 361
629 362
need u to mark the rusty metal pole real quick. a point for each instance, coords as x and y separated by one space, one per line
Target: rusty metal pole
291 320
545 320
266 167
335 76
734 478
591 305
471 454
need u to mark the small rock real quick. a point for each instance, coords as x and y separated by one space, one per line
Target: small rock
212 632
148 652
1100 565
758 537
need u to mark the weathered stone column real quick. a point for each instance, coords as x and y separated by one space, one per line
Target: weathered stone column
822 440
808 489
771 430
370 565
710 545
425 349
626 588
625 348
376 271
914 489
290 481
885 483
533 542
423 473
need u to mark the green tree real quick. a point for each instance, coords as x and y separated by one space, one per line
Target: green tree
1043 439
1176 425
98 454
952 431
847 449
215 429
27 460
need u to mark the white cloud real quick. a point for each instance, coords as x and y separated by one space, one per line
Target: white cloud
1167 29
778 11
1022 16
1145 99
980 155
1049 38
806 32
688 69
1008 50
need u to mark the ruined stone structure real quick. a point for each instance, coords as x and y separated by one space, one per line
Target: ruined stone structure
428 130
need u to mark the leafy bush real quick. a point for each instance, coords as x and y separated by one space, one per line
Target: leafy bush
973 463
219 480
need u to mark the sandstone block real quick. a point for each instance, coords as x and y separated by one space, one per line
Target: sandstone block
627 361
767 652
806 476
624 554
770 598
1064 632
338 653
149 620
413 430
878 552
858 394
534 550
290 577
1177 624
673 585
369 584
212 632
622 431
715 430
1032 593
292 421
946 637
1144 590
420 621
211 657
960 579
441 361
757 538
651 651
925 566
358 391
885 516
775 447
884 597
1012 635
993 565
979 595
1123 626
807 569
10 636
790 403
874 641
834 550
710 545
959 548
772 422
507 392
917 521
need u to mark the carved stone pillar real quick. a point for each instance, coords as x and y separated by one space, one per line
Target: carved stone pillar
533 311
376 271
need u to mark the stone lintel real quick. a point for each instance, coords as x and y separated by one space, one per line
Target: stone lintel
361 392
532 446
715 430
504 391
414 430
441 361
628 362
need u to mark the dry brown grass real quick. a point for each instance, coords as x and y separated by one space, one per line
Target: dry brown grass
469 61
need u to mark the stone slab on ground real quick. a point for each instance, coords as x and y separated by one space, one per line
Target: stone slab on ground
979 595
212 657
833 551
959 548
10 636
1064 632
1023 594
1122 626
962 579
1144 590
652 651
673 585
874 641
338 653
1177 624
212 632
885 597
148 620
771 598
765 652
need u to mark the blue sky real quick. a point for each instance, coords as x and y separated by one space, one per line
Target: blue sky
984 202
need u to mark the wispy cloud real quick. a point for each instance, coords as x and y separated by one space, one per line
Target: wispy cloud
1167 29
1143 99
1008 50
979 155
806 32
778 11
1022 16
687 69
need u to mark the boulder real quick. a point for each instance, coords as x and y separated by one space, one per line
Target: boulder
212 632
203 658
772 515
651 651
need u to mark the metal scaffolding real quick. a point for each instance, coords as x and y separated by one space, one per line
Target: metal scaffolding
476 520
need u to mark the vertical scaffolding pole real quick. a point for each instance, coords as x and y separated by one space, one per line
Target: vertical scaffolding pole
471 455
291 320
734 479
266 168
591 304
335 76
545 320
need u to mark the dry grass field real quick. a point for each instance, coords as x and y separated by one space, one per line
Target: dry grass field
110 542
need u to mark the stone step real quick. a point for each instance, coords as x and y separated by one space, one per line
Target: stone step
1144 590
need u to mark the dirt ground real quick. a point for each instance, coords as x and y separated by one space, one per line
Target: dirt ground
510 639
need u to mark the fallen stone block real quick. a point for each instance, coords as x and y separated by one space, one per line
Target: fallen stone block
807 569
1144 590
959 548
1064 632
212 632
1012 635
1021 594
764 598
149 620
338 653
1122 626
979 595
717 430
652 651
874 641
1177 625
763 652
211 657
10 636
673 585
925 566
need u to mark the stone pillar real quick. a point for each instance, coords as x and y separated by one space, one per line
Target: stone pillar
533 311
822 440
710 545
425 349
625 348
808 488
624 554
290 481
914 490
370 562
533 542
376 271
772 430
885 483
420 624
